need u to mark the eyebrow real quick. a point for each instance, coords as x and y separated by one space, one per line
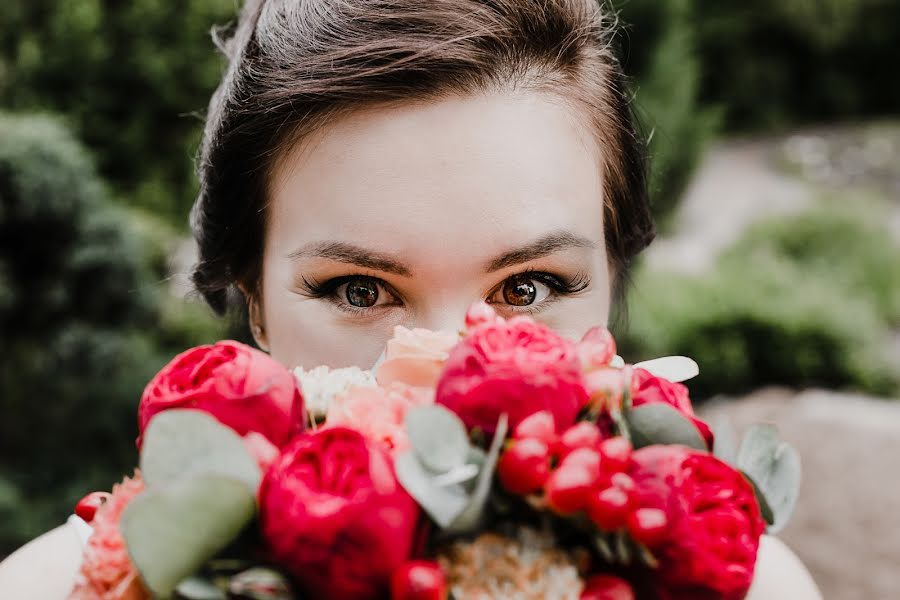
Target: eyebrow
353 255
359 256
541 247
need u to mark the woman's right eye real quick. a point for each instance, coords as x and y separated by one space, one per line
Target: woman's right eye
352 293
361 292
358 293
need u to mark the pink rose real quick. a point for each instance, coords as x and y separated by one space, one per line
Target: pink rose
243 388
714 522
333 514
415 357
646 388
517 367
378 412
106 570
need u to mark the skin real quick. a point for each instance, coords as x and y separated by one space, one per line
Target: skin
439 205
441 192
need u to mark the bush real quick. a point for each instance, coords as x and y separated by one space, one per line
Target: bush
775 63
129 77
848 246
83 315
659 53
765 317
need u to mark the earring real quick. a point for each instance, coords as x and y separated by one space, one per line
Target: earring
257 330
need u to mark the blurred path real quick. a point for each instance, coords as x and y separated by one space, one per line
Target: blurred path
740 181
846 527
737 183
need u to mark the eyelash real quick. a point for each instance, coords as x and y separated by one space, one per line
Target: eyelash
313 288
560 287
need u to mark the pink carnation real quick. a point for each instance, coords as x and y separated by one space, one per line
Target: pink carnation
106 570
378 413
517 367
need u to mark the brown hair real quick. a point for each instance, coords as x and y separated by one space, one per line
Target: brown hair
294 65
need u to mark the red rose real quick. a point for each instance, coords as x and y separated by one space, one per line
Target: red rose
334 515
646 388
243 388
517 367
714 522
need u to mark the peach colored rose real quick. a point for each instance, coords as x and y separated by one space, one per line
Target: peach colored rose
106 570
415 357
378 412
261 449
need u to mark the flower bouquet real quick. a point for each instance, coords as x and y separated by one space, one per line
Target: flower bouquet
501 462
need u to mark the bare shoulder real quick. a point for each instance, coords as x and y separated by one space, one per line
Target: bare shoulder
44 567
781 575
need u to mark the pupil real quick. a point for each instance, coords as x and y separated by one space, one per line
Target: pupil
362 293
519 291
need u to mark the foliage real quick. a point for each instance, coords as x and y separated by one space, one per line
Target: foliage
129 78
779 308
771 63
845 243
80 313
659 49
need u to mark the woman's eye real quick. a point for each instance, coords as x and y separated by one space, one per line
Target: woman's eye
521 290
361 292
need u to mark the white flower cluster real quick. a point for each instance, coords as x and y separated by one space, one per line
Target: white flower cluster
321 384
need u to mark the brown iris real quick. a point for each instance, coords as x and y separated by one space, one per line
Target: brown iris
362 293
519 291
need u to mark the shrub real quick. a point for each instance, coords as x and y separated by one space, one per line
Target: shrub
129 77
774 317
659 53
81 311
774 63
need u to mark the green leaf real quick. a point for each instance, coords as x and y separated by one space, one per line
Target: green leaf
197 588
774 468
764 508
660 423
726 437
172 530
260 583
438 437
183 442
471 517
442 503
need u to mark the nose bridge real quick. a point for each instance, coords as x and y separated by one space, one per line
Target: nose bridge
448 314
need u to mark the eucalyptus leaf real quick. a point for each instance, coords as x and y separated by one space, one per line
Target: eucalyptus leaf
764 507
438 437
443 503
660 423
472 515
260 583
726 438
184 442
774 468
172 530
197 588
674 368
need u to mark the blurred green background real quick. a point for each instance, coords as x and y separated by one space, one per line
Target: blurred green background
100 117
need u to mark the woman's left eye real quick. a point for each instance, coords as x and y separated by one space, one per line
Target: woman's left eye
521 290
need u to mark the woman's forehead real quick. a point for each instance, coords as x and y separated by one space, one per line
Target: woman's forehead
481 172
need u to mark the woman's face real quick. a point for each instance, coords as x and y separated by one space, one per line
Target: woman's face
406 215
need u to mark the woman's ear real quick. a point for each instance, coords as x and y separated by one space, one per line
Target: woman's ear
257 321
